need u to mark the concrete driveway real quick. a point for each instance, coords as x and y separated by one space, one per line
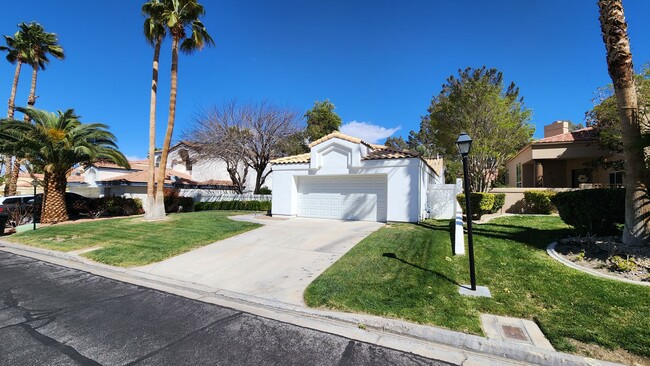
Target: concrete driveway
276 261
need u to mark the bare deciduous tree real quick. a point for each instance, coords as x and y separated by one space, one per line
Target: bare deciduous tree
243 135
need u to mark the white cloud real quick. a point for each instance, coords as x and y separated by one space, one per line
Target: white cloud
133 157
367 131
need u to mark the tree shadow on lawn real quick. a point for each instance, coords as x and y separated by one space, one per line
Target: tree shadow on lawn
438 274
537 238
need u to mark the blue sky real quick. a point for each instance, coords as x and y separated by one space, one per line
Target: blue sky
379 61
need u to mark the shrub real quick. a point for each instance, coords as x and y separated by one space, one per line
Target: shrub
109 206
622 264
499 201
176 203
482 203
265 190
234 205
594 211
539 202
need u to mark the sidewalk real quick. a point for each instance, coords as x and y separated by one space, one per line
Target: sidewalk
427 341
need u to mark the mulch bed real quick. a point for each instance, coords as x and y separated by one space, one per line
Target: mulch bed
607 256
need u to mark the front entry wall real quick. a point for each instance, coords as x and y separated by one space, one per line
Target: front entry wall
343 197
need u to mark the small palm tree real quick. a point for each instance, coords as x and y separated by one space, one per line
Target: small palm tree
181 18
154 33
55 143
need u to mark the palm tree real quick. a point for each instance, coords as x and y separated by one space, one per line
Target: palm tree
621 70
55 143
18 54
181 18
30 45
40 43
154 32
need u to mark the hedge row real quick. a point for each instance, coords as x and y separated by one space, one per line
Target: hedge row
234 205
592 211
483 203
109 206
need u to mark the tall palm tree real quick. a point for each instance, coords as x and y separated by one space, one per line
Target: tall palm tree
154 33
181 18
17 53
55 143
30 45
621 70
41 44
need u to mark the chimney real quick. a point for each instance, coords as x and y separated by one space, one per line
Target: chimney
556 128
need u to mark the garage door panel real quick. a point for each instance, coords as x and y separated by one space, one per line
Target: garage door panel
343 197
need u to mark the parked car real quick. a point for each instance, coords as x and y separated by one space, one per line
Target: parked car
16 210
10 203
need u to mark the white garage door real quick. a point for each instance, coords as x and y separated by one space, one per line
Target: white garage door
343 197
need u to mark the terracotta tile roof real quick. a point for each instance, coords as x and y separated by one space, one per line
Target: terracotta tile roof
383 152
336 134
216 182
25 179
585 134
141 177
108 164
294 159
76 178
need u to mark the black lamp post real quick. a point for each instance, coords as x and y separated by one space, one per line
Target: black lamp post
34 183
464 144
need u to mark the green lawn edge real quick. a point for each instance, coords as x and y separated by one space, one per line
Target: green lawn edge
407 271
129 242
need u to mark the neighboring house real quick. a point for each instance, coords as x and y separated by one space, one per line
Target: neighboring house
561 160
184 158
343 177
107 179
24 184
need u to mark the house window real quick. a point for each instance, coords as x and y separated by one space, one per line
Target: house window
158 161
616 178
518 175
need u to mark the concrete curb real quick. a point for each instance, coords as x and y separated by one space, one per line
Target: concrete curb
551 252
442 344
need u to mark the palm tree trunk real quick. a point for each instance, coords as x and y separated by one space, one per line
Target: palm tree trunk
151 194
12 184
159 209
31 100
621 70
14 86
54 209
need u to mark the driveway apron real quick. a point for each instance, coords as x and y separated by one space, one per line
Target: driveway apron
276 261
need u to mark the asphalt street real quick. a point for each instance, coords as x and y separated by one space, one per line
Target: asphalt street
52 315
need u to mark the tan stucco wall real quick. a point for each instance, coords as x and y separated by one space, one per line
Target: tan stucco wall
515 197
566 151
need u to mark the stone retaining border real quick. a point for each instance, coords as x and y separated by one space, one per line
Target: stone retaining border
551 252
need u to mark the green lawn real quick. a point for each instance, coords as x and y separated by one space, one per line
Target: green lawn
134 242
419 283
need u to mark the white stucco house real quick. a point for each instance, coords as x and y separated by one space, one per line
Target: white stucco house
345 178
184 158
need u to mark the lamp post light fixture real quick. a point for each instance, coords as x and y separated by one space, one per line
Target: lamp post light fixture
464 144
34 183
